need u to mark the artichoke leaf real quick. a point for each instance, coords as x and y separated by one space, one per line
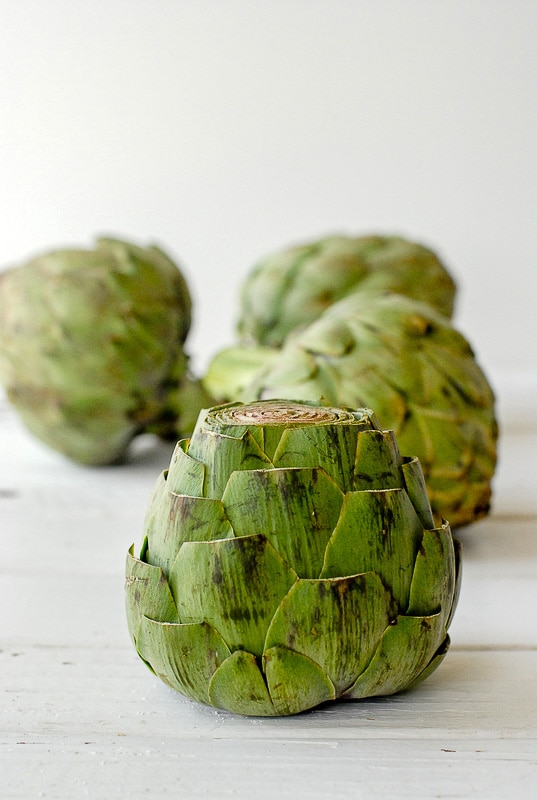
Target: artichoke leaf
186 474
295 509
333 449
404 651
433 664
233 584
181 519
460 370
238 686
336 622
160 489
147 592
296 682
183 656
378 531
415 486
378 462
223 454
433 582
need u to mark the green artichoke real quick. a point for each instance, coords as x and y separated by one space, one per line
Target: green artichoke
290 289
405 360
91 348
290 559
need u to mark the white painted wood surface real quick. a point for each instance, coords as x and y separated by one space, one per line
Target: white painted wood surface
80 715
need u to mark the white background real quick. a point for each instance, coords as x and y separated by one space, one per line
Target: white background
226 130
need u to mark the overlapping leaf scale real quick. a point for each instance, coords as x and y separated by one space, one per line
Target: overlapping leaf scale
147 593
242 670
457 548
177 518
405 650
295 509
333 448
432 666
379 531
296 682
415 643
433 580
222 455
186 475
287 683
235 585
414 482
335 622
185 656
378 462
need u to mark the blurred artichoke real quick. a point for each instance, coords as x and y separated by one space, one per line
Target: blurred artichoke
292 288
291 558
91 348
405 360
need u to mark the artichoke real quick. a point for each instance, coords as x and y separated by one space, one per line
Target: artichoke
290 558
290 289
91 348
405 360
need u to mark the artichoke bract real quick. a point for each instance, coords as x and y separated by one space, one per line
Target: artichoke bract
91 348
405 360
290 558
290 289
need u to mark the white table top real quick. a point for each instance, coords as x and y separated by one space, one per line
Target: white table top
82 717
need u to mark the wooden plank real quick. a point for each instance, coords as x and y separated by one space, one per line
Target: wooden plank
97 723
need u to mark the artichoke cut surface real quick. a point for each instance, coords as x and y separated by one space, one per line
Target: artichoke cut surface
290 558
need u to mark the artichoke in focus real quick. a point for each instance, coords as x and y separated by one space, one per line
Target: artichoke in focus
290 289
405 360
91 348
290 558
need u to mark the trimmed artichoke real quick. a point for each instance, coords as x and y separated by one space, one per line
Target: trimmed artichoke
290 289
290 559
400 357
91 348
